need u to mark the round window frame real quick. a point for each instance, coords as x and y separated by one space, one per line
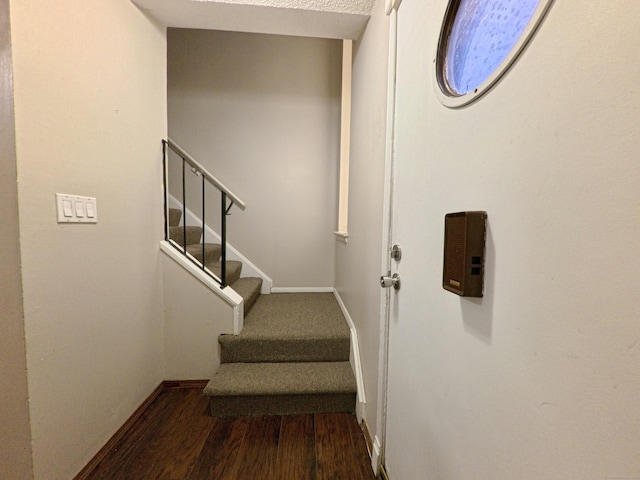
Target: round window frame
445 94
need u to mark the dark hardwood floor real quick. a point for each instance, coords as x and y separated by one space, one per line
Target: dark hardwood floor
176 438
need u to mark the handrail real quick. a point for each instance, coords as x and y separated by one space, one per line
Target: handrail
227 200
194 163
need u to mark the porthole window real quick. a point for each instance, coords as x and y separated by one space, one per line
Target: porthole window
479 40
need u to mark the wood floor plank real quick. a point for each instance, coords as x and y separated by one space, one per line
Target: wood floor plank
128 451
176 437
334 448
297 452
180 443
362 460
219 454
259 450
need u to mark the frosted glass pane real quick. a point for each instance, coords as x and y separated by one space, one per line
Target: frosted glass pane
483 34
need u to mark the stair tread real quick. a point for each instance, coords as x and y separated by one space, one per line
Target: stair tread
234 269
244 286
211 251
286 327
249 289
193 234
259 379
295 316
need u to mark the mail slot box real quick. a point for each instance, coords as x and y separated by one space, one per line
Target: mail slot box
464 250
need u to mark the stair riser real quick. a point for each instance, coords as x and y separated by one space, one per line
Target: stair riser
229 406
211 253
235 350
194 234
249 290
249 301
234 269
174 216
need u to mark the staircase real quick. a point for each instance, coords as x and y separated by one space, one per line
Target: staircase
247 287
292 355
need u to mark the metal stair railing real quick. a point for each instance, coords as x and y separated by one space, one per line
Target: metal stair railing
228 200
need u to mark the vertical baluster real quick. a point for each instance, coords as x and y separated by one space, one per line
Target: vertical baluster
167 148
223 229
165 182
184 210
203 221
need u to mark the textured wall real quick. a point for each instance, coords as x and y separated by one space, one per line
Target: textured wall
15 435
262 113
358 263
90 111
194 317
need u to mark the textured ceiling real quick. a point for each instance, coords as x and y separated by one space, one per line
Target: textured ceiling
308 18
359 7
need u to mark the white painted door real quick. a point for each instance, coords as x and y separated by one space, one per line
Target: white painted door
406 455
538 379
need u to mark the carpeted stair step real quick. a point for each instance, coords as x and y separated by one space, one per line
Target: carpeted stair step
193 235
282 388
234 269
290 327
211 252
175 214
249 289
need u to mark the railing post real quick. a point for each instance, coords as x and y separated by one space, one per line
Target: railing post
223 240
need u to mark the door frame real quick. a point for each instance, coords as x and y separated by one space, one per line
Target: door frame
379 441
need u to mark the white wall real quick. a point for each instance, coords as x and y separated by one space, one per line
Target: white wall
15 435
539 379
358 262
262 113
90 109
194 317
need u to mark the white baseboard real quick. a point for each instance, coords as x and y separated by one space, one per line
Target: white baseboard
376 459
356 364
361 410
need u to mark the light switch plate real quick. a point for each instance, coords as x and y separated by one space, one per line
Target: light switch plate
76 209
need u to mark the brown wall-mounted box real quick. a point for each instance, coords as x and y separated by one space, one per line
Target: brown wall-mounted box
464 250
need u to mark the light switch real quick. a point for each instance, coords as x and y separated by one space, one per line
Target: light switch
66 206
91 210
79 209
76 209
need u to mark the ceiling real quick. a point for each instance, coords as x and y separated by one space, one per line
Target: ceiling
343 19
